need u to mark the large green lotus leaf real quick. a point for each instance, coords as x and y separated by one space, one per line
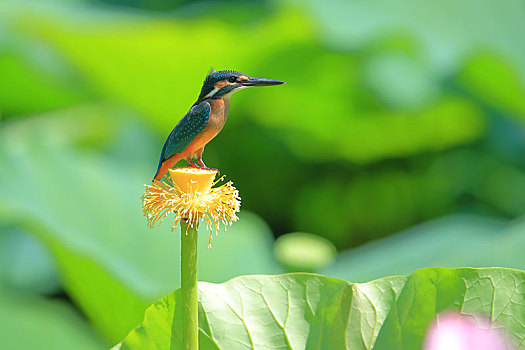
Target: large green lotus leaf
35 323
86 209
269 312
298 311
495 293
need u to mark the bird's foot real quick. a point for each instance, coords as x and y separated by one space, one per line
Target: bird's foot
211 169
201 163
203 166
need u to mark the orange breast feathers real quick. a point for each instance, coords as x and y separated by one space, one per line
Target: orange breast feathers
218 115
216 121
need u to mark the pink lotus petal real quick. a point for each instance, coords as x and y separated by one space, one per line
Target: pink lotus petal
454 331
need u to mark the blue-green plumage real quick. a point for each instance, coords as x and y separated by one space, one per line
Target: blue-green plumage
192 124
205 119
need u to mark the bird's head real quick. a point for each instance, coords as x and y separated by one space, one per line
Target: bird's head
226 82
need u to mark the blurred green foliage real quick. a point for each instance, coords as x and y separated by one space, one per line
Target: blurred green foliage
382 117
33 323
365 116
394 113
300 251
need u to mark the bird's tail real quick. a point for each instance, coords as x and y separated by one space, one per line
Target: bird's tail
166 165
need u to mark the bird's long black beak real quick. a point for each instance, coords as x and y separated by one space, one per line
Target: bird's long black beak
261 82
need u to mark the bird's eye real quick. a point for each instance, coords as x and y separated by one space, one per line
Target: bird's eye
232 79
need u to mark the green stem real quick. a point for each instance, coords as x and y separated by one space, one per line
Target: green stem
190 311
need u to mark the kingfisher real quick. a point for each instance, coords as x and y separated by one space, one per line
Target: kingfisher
205 119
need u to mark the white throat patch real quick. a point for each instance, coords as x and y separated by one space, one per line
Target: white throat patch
229 94
211 93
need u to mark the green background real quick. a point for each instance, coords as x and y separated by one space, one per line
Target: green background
397 143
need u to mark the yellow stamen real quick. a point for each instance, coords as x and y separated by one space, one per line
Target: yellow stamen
188 193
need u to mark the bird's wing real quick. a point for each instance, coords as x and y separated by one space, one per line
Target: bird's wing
192 124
